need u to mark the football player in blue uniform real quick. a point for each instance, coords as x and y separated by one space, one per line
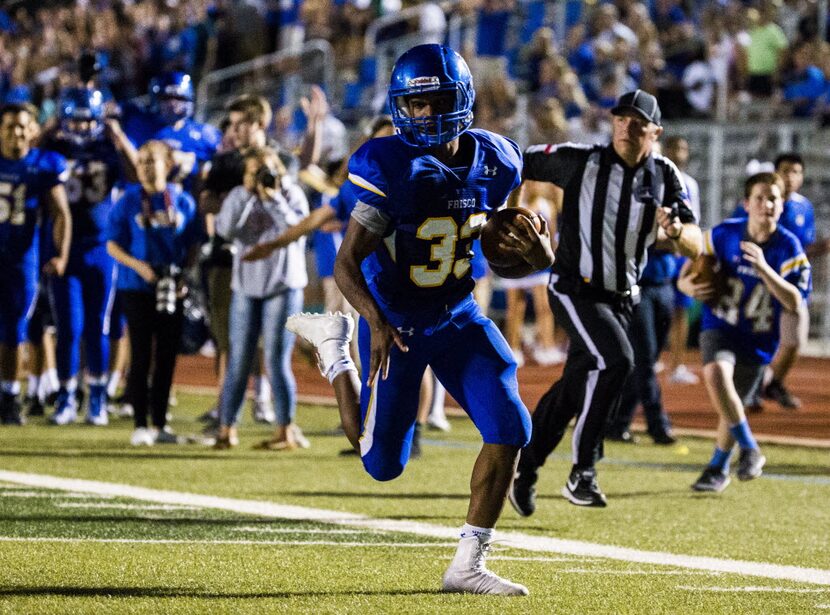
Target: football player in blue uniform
31 184
404 265
798 217
97 155
766 272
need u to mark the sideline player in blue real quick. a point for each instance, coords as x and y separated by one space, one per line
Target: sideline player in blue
31 185
766 272
98 155
404 265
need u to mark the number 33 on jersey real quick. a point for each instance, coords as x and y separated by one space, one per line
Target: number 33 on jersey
748 310
431 214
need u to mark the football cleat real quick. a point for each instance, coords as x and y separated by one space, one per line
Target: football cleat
777 392
165 435
750 464
143 436
468 573
96 413
522 493
66 408
582 489
713 480
10 410
263 411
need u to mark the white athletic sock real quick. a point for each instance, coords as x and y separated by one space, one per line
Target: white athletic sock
97 380
52 384
263 388
11 387
439 395
114 381
32 386
334 355
70 385
484 534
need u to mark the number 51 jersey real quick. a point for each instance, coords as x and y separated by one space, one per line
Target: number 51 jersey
432 213
748 313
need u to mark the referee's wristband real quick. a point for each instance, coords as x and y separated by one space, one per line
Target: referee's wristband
676 237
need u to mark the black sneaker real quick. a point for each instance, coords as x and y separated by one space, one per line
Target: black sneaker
663 438
713 480
777 392
34 407
624 436
582 489
522 493
750 464
10 410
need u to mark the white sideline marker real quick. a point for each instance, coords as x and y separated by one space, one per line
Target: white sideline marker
527 542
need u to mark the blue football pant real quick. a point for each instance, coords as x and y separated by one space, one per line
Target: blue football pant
82 300
471 358
18 294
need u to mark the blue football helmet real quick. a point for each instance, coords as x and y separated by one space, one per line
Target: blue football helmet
81 114
172 96
423 70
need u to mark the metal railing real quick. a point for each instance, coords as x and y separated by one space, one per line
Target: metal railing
284 74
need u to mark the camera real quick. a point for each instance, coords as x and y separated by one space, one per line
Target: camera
267 177
167 289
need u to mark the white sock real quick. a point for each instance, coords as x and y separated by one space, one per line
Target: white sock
97 380
51 382
439 395
11 387
114 381
70 385
484 534
263 388
33 385
340 366
335 357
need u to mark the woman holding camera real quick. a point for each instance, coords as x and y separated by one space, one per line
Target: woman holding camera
265 292
154 233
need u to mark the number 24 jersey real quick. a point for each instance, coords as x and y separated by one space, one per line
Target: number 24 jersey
434 212
748 312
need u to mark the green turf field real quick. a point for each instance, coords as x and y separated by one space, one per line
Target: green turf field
308 532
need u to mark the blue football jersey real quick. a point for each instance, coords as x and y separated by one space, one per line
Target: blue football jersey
195 144
797 217
94 169
435 213
139 124
24 185
748 312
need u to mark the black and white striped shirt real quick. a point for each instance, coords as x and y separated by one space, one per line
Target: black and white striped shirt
608 209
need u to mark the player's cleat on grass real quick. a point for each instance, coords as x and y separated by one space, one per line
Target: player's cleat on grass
66 408
10 410
663 438
165 435
299 436
777 392
522 493
582 489
143 436
96 413
262 411
713 480
34 406
468 573
438 422
750 464
624 436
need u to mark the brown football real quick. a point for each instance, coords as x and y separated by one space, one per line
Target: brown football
706 269
490 235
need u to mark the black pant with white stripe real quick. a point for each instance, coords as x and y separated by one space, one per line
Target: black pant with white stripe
600 359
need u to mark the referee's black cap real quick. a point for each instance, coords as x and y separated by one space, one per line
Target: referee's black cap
640 102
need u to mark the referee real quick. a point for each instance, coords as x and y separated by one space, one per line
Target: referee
614 201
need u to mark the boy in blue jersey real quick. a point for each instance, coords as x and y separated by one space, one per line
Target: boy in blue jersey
97 156
767 272
423 197
30 180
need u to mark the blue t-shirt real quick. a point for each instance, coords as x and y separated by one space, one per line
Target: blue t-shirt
748 313
797 217
94 169
196 144
174 228
435 213
24 185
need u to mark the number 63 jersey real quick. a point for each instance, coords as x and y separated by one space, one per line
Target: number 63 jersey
748 312
432 213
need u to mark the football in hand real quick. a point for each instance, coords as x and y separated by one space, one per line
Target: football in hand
491 232
706 269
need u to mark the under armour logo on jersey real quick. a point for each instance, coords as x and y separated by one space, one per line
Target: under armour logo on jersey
410 331
490 170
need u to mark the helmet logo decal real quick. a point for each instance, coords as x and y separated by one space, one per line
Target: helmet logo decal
424 83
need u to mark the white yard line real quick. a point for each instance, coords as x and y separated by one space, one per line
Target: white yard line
279 543
20 493
109 506
515 539
285 530
751 589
